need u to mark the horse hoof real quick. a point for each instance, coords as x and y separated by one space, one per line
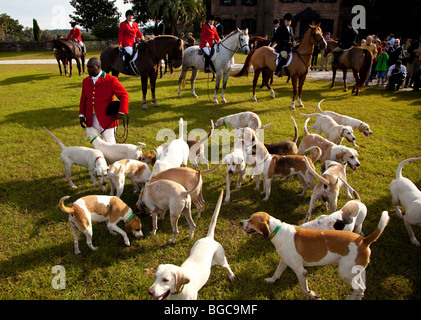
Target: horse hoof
195 95
145 107
156 105
254 98
224 101
345 90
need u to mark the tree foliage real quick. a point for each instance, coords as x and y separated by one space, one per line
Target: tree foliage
88 12
10 29
36 30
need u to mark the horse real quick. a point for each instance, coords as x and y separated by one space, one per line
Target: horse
223 61
357 59
150 52
71 50
60 55
264 58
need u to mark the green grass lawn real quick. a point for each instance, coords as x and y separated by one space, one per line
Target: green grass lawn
35 235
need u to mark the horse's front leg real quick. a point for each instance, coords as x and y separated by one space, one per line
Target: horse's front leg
300 89
70 67
217 83
294 80
153 76
144 79
78 66
192 80
256 77
345 80
224 85
333 76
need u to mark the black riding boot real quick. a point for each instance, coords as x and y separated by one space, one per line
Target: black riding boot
207 63
281 62
335 57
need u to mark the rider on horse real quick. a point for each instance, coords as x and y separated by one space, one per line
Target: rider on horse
284 38
346 41
208 37
128 33
75 35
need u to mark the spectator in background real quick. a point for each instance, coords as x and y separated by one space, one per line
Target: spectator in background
191 41
324 59
314 56
219 27
159 28
396 75
414 61
276 24
387 46
395 52
369 45
381 67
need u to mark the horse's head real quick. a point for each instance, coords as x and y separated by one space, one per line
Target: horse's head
331 45
243 40
175 55
317 36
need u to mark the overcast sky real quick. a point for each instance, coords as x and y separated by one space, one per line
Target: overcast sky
50 14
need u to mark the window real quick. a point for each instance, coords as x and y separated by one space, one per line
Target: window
248 2
250 24
229 25
227 2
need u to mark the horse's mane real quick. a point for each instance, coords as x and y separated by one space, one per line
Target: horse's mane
164 36
231 34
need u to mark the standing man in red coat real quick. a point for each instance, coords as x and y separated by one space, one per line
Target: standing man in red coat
208 37
98 90
128 33
76 36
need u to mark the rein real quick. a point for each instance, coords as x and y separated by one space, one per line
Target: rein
123 136
307 54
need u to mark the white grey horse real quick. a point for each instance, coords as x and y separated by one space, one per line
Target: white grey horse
223 61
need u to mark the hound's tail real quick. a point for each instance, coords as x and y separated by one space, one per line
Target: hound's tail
114 172
354 193
196 146
199 180
55 138
63 207
318 106
246 67
180 129
400 166
211 231
364 72
306 133
314 173
295 140
384 219
211 170
315 156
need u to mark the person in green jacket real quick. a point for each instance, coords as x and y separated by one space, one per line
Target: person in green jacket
381 67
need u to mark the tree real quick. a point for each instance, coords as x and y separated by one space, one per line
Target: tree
140 10
106 27
37 30
174 12
11 29
88 12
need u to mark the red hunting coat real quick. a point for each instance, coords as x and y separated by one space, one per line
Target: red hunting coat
96 97
75 34
128 34
208 35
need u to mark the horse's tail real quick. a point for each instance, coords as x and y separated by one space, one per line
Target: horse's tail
184 80
246 67
364 72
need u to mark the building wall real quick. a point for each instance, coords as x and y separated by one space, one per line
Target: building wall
259 14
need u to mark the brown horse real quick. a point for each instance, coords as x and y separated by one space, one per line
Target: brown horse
357 59
264 57
150 52
60 55
71 50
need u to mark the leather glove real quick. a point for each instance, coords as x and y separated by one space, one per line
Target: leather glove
82 121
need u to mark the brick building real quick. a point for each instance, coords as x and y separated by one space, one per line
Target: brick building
258 15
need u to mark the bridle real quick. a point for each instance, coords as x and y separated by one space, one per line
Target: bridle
308 54
240 45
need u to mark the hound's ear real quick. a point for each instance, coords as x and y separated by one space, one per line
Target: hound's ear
264 228
180 279
226 159
340 155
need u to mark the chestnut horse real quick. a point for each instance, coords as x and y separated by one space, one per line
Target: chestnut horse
150 54
264 57
357 59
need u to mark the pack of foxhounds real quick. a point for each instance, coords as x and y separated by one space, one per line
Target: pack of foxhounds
164 185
